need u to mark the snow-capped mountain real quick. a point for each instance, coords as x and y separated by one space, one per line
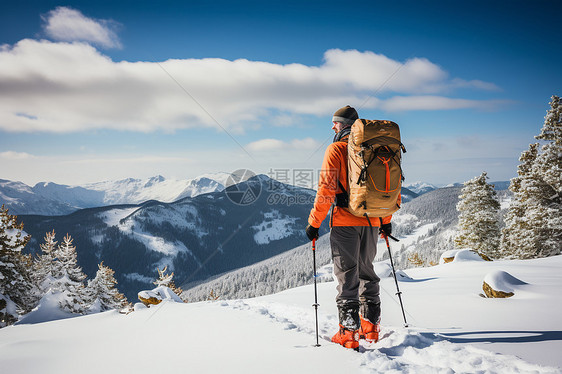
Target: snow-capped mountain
196 237
420 187
49 198
19 198
136 191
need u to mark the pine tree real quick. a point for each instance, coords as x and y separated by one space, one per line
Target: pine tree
549 167
102 293
534 220
43 266
17 292
70 279
478 218
518 232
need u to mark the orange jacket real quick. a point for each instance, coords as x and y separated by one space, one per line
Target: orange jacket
334 168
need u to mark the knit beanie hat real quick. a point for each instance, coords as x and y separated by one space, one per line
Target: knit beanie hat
346 115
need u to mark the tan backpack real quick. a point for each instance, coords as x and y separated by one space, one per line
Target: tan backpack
374 171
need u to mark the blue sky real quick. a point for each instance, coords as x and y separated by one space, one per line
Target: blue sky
93 91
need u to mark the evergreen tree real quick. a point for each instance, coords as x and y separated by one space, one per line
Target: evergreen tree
534 220
70 279
478 218
549 167
102 293
44 265
518 232
17 292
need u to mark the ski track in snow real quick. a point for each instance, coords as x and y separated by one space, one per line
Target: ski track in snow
400 350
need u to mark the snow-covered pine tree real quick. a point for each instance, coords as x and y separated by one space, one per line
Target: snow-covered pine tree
534 220
549 167
518 235
17 291
44 265
167 281
71 281
102 293
478 217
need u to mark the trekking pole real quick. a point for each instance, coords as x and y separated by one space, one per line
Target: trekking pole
315 305
398 292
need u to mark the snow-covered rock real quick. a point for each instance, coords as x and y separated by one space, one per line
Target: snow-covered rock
157 295
500 284
459 255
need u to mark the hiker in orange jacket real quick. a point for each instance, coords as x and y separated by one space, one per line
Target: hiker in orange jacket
352 241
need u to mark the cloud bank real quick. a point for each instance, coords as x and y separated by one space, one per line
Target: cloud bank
68 85
69 25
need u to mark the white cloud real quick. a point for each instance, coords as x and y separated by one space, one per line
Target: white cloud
270 145
11 155
430 102
69 87
69 25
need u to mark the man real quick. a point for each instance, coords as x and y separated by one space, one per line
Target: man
352 240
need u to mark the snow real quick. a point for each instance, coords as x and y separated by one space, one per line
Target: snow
122 219
114 216
419 186
500 280
134 191
452 330
274 227
460 255
47 310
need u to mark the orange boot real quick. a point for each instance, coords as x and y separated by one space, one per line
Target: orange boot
369 331
347 338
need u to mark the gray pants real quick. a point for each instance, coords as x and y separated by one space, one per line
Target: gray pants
353 252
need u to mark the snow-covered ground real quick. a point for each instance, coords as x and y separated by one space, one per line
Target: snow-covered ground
452 330
122 219
274 227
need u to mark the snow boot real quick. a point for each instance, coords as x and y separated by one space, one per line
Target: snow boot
349 316
369 331
348 335
370 321
347 338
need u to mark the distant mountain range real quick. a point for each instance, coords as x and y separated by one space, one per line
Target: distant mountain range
52 199
49 198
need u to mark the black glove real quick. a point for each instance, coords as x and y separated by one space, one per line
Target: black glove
386 229
311 232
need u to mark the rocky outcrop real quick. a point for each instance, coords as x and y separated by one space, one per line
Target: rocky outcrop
490 292
149 298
